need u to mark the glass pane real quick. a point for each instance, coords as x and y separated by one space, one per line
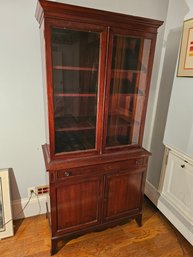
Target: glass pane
127 89
75 57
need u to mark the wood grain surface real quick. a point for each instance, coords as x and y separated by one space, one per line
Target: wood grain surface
156 238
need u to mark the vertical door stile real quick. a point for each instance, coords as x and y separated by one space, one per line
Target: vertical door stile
102 87
107 79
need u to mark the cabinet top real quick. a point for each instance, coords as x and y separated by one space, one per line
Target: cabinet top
47 9
65 163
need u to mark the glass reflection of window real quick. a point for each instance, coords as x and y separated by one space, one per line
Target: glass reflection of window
130 59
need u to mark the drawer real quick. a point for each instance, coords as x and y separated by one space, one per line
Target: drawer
68 173
102 168
73 172
113 166
128 164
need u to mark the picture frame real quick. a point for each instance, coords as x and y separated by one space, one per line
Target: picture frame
6 222
185 64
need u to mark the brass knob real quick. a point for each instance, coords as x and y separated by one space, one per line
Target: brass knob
66 173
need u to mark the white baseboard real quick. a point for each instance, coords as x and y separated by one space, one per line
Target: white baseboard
151 192
36 206
175 216
182 224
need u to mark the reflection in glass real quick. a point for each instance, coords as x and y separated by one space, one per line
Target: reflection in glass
127 89
75 58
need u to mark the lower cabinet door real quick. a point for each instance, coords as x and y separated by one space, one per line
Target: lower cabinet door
77 204
123 194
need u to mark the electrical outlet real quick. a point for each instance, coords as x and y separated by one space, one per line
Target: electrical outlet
38 190
29 191
42 190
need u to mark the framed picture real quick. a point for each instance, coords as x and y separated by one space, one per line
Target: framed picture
185 65
6 224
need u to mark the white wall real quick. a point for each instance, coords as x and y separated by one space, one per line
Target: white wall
21 97
179 127
154 9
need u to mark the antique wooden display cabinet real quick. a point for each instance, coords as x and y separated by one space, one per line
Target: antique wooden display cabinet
97 74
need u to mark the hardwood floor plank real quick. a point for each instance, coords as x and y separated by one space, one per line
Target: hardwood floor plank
156 238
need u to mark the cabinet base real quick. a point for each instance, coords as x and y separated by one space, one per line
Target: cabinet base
139 220
69 236
54 246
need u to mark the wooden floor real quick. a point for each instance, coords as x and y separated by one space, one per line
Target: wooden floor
156 238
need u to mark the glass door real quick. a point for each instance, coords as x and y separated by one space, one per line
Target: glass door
127 91
75 64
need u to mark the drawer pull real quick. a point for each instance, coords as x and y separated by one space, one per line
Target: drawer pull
183 166
66 174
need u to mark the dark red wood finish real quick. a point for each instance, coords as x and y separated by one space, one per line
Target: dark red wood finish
102 187
78 203
123 188
97 196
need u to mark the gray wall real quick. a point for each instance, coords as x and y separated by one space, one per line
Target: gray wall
179 127
177 11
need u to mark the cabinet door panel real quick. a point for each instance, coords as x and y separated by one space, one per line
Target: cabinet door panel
178 181
76 59
77 203
123 194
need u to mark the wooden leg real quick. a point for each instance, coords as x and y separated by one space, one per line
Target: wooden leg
53 247
139 220
47 211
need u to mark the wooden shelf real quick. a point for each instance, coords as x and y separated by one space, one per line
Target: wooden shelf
120 119
73 68
124 120
124 72
75 95
122 94
73 124
117 94
77 128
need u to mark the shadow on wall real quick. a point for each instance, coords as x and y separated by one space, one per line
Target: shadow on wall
16 212
13 186
168 72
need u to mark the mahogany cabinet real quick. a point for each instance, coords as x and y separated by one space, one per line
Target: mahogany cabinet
97 75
